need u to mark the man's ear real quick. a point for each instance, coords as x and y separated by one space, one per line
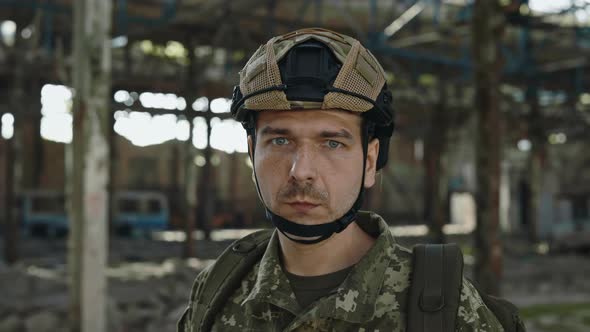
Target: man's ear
371 164
250 142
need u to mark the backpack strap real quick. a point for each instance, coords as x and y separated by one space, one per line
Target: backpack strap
435 290
505 311
225 276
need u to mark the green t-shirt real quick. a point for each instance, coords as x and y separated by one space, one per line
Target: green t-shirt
309 289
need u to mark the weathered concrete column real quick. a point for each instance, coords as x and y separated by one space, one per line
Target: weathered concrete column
87 165
14 160
487 25
8 188
436 144
536 161
190 172
190 194
206 194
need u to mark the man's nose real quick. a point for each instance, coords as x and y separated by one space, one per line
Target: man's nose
303 167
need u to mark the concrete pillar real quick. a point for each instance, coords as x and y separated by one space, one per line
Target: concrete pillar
190 172
205 189
487 26
14 161
505 199
536 161
8 193
190 193
87 165
435 184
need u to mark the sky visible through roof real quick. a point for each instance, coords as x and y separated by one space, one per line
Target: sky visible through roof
556 6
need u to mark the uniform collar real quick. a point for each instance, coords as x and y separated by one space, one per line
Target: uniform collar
353 301
272 285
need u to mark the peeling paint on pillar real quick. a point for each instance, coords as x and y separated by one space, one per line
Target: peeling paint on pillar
96 178
88 166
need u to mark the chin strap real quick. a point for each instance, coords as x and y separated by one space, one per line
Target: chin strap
323 231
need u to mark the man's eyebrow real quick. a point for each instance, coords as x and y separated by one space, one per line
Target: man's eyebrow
343 133
268 130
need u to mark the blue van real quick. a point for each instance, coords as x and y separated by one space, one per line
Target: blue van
140 210
43 212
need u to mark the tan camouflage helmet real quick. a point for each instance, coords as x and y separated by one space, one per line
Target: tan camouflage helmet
356 87
314 69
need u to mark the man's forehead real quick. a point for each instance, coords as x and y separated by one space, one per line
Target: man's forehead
310 117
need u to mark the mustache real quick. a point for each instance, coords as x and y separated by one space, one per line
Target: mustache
297 190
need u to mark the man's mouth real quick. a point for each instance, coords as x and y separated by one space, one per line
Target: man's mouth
302 206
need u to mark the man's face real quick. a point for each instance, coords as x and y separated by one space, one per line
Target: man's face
309 163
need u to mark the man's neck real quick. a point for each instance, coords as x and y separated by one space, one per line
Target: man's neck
336 253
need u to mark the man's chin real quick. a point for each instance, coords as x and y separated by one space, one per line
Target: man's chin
303 218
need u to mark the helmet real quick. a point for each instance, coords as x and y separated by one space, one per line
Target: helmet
316 69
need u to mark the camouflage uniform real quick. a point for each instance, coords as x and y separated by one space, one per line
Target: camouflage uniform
371 298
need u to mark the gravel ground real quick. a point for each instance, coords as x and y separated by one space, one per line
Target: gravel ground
149 286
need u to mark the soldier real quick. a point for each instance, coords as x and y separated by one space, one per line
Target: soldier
318 115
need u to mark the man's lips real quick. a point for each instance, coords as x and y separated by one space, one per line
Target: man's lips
302 206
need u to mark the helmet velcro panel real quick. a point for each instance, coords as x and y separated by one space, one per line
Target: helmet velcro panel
358 76
340 48
262 72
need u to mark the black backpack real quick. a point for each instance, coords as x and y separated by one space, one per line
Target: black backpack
435 292
431 306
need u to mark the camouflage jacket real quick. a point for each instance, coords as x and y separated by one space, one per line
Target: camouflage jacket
372 297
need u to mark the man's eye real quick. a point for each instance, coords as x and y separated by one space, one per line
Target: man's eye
280 141
333 144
